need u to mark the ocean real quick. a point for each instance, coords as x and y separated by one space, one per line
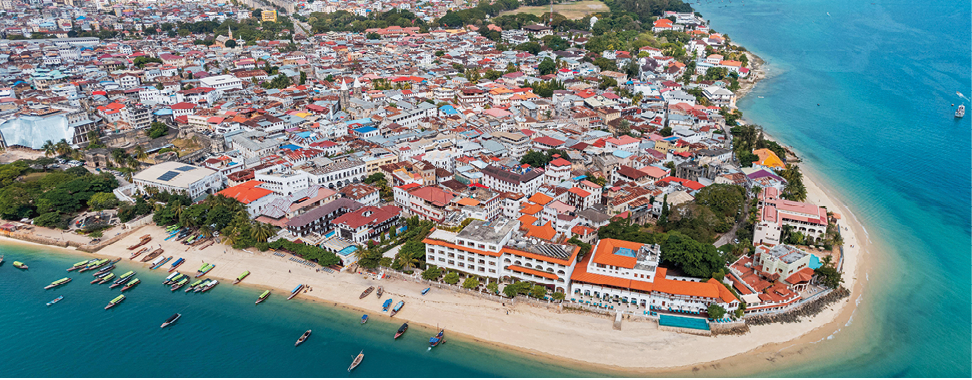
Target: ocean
221 332
864 92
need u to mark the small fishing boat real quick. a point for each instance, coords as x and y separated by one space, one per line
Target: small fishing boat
176 264
302 338
152 255
296 291
381 290
241 277
263 297
401 330
95 265
357 361
58 283
367 292
121 280
386 305
202 286
193 285
19 265
99 278
364 319
397 308
145 239
158 263
79 265
205 269
437 339
211 285
115 301
107 278
170 278
104 270
1 260
56 300
136 254
131 284
426 290
171 320
180 284
960 112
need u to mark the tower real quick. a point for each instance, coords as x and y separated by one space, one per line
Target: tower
357 87
343 96
230 28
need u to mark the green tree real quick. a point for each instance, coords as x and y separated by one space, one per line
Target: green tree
692 257
538 291
157 130
230 44
666 131
535 159
828 274
471 283
451 278
431 273
716 311
547 66
50 219
558 296
492 287
373 36
103 201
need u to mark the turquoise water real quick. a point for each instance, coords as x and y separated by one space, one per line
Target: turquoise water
221 333
884 75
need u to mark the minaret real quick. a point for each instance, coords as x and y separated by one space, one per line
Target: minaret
343 97
230 28
357 87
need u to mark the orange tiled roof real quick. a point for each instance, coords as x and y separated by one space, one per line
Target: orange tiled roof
531 209
545 232
604 253
540 198
527 220
246 192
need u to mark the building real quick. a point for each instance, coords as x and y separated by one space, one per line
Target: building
222 82
805 218
780 260
513 180
366 223
251 194
268 15
362 193
177 177
318 220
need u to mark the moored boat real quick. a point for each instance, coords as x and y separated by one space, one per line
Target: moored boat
193 285
171 320
386 305
364 319
397 308
19 265
426 290
211 285
381 290
107 278
302 338
357 361
1 260
121 279
241 277
145 240
176 264
131 284
170 278
152 255
115 301
99 278
58 283
79 265
139 252
180 284
159 262
101 272
436 340
263 297
95 265
205 269
366 292
960 112
296 291
401 330
56 300
201 286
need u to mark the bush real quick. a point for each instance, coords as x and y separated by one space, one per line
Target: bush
157 130
716 311
431 273
262 246
96 234
492 287
452 278
51 219
559 296
471 283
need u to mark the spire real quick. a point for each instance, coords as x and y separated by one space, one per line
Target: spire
344 85
230 28
356 83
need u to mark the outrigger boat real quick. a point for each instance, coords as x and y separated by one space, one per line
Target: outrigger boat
121 280
357 360
58 283
107 278
241 277
386 305
56 300
180 284
302 338
364 319
366 292
193 285
131 284
401 330
171 320
205 269
296 291
115 301
397 308
263 297
176 264
136 254
381 290
19 265
104 270
437 339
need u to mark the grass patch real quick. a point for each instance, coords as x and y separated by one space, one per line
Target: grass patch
571 10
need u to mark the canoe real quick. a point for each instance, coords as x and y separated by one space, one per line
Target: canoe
171 320
357 361
302 338
366 292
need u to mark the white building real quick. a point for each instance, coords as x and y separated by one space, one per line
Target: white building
221 82
177 177
514 180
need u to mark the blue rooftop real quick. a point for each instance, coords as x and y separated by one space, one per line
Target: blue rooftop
290 146
622 154
448 110
364 130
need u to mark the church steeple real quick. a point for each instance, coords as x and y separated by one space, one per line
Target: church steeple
230 28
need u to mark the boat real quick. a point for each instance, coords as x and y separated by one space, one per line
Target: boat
176 264
56 300
171 320
115 301
170 278
398 307
104 270
296 291
152 255
241 277
160 264
121 280
211 285
145 240
426 290
437 339
1 260
131 284
960 112
95 265
364 319
367 292
302 338
79 265
263 297
357 361
136 254
19 265
58 283
401 330
381 290
201 286
180 284
172 234
99 278
386 305
107 278
193 285
205 269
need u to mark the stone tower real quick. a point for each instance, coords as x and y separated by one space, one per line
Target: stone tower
344 98
357 87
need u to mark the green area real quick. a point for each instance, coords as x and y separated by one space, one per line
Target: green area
28 189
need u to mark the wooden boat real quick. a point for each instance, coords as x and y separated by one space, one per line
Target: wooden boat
364 319
386 305
263 297
107 278
398 307
131 284
302 338
58 283
145 240
153 255
80 264
366 292
160 262
401 330
115 301
201 286
94 265
139 252
19 265
296 291
176 264
193 285
179 284
104 270
381 290
168 280
210 285
204 269
436 340
56 300
171 320
426 290
241 277
1 259
357 361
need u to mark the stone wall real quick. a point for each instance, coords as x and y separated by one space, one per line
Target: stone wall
806 309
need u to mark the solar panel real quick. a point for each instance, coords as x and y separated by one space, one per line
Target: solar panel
168 176
185 168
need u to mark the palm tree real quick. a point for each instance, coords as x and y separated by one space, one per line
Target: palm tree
49 148
63 148
134 163
140 153
205 231
178 209
128 176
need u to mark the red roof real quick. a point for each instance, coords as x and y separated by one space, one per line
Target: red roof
246 192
